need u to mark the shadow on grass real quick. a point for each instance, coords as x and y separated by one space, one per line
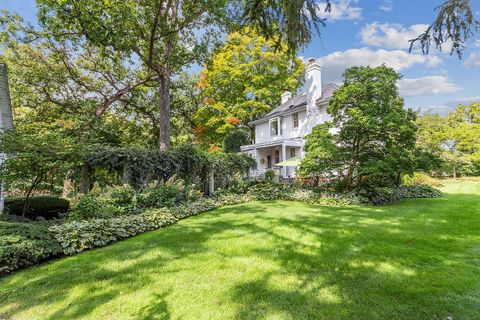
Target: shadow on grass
416 259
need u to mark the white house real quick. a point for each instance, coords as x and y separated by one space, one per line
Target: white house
279 135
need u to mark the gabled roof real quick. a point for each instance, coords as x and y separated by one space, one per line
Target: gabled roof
298 102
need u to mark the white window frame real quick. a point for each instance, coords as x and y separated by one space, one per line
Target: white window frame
277 120
293 152
295 117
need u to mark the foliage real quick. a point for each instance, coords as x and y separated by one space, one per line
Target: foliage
454 25
166 194
270 175
244 80
76 236
455 139
293 22
370 136
235 139
25 244
88 206
47 207
387 195
229 167
270 191
40 159
418 178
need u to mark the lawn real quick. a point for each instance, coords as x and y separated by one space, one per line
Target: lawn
419 259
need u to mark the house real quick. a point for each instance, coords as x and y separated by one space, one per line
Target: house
280 134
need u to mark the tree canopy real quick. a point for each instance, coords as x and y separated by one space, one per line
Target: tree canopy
243 81
454 138
371 137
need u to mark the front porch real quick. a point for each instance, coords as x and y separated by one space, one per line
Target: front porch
269 154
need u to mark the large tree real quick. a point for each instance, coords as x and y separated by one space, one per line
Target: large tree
370 137
455 138
244 80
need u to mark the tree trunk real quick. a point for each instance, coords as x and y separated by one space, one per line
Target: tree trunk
349 179
67 184
85 180
164 91
28 196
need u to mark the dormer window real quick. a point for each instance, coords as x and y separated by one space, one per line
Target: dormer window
275 126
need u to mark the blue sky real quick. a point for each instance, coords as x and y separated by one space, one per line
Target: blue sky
371 32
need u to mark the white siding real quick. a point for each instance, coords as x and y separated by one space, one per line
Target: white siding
262 130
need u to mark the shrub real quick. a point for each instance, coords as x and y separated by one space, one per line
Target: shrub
25 244
87 207
386 195
79 236
420 179
269 175
122 196
168 194
419 191
271 191
48 207
378 195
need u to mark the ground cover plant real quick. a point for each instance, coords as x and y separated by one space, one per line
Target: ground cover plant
274 259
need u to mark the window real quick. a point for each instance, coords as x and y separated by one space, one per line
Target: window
275 127
295 120
292 152
277 155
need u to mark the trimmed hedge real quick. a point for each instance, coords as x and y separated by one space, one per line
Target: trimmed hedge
25 244
48 207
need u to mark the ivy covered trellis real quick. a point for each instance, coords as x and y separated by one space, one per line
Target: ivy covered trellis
139 167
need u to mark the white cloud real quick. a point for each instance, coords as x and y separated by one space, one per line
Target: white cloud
386 5
341 10
390 36
445 109
334 64
473 60
427 86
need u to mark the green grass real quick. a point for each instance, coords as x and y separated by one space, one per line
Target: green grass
274 260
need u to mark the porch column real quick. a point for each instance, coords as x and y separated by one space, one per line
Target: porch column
284 157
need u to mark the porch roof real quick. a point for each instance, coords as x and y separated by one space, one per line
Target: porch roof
286 142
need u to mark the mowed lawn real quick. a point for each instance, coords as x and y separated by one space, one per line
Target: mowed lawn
419 259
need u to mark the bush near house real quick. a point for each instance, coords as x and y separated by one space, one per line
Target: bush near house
47 207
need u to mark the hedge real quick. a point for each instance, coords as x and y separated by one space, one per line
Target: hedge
47 207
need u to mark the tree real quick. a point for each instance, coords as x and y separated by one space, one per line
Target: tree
40 160
455 25
454 138
374 136
235 139
166 36
244 80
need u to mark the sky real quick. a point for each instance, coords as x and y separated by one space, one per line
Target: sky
372 32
